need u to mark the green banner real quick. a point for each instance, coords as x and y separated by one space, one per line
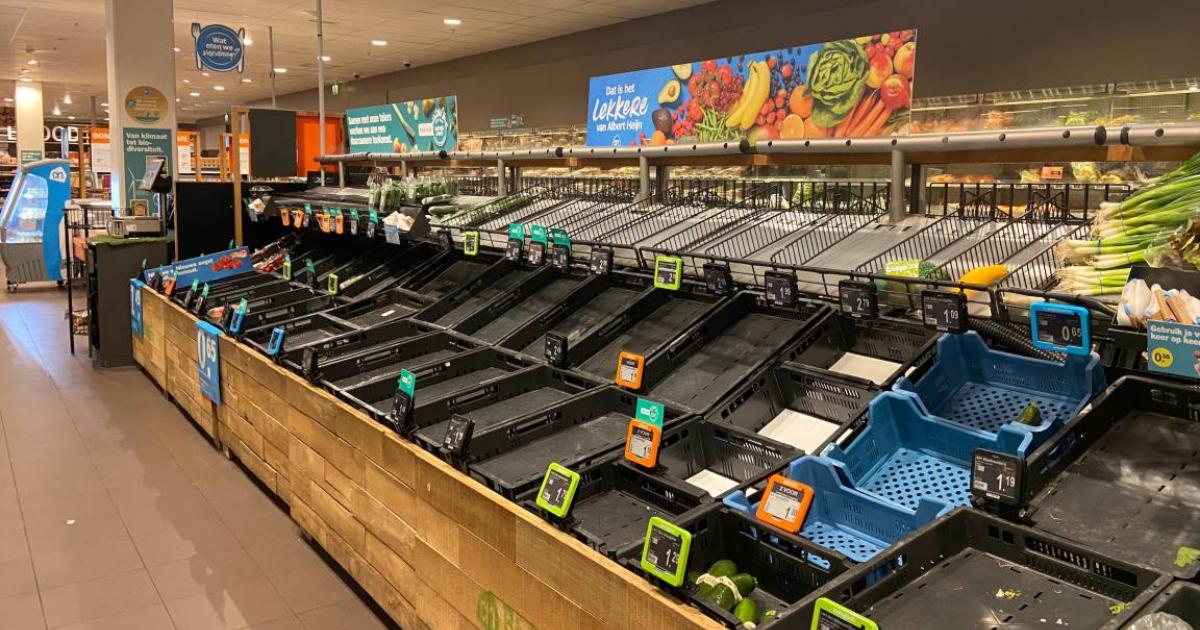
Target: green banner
141 145
429 124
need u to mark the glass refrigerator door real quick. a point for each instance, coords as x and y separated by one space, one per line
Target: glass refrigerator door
25 209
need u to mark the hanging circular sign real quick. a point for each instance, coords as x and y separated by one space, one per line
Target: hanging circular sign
145 104
219 47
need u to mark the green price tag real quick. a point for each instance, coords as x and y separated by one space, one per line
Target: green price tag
407 382
665 551
650 412
143 264
471 243
668 272
537 233
354 215
516 231
558 236
204 291
373 217
830 615
287 268
333 284
195 286
558 490
308 208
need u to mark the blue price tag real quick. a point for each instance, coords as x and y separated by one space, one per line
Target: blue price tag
208 360
135 306
275 343
1060 328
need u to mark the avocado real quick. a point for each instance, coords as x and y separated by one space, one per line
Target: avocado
683 71
669 92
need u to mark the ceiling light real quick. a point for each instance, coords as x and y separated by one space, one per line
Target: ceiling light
70 118
7 99
31 62
104 104
193 94
451 21
219 88
67 98
378 42
247 41
175 48
325 58
1194 88
204 74
176 99
187 80
280 70
26 80
246 79
56 111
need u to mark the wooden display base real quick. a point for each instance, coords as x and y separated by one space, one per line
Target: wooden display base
432 547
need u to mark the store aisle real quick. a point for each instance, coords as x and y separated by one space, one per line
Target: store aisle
116 513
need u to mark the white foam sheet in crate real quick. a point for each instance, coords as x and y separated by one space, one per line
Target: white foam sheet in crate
875 370
712 483
799 429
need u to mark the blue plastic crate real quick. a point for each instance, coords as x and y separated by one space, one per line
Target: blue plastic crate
984 390
843 518
907 457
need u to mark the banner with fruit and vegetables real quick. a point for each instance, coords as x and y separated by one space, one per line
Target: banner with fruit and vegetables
849 88
428 124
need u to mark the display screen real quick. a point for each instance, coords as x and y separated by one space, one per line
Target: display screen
601 260
717 278
664 550
537 253
945 311
561 256
996 476
556 349
513 251
780 288
554 491
629 369
784 502
458 434
1059 328
275 343
827 621
471 243
154 168
667 272
858 299
641 442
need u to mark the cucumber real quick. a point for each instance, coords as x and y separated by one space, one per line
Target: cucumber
723 597
693 577
722 568
705 591
1031 415
744 582
747 611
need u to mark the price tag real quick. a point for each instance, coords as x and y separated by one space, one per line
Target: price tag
298 218
649 412
781 288
285 217
996 476
191 293
560 256
830 615
556 349
537 253
858 299
944 311
307 219
458 435
198 306
718 279
1061 328
1052 173
338 223
668 272
601 260
470 243
641 443
155 279
168 287
391 234
785 503
516 232
308 362
558 490
332 284
513 251
630 366
275 343
287 268
355 219
537 234
372 226
665 551
239 314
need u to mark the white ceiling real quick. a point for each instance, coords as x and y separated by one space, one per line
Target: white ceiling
66 37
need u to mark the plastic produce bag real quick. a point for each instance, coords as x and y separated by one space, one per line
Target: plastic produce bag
1159 621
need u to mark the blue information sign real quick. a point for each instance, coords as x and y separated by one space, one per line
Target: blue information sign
208 360
219 47
135 305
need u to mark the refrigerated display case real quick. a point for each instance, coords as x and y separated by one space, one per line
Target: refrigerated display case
29 223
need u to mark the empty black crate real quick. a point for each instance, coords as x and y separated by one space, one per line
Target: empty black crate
472 295
380 308
352 370
446 273
974 570
515 307
298 332
350 339
272 315
1181 599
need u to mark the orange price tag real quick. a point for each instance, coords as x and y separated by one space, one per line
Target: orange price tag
641 443
285 217
785 503
1053 173
629 370
298 218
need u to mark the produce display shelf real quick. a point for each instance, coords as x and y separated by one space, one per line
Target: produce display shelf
1181 599
382 277
218 295
273 315
434 379
505 314
349 341
782 565
298 332
493 404
985 390
830 230
380 308
982 572
351 370
215 307
473 294
842 518
948 234
1124 479
730 342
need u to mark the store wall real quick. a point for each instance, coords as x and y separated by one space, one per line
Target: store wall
965 47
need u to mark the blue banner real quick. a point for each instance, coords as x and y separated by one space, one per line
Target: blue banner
209 267
429 124
135 305
208 360
1173 348
219 47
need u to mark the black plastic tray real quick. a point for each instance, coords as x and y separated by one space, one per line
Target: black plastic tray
780 563
492 404
298 332
218 297
352 370
516 307
273 315
974 570
380 308
473 294
1124 478
391 272
254 303
352 340
1181 599
447 272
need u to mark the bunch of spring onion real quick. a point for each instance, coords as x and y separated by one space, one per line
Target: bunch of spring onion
1084 280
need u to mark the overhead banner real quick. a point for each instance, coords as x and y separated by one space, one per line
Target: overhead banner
859 87
429 124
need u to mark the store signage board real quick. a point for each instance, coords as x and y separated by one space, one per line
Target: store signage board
212 267
858 299
208 360
511 121
996 476
429 124
557 490
780 288
830 615
786 503
135 306
219 47
1061 328
671 104
665 551
944 311
1171 348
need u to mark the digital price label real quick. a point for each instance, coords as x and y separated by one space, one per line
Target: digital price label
355 222
275 343
191 293
780 288
718 279
372 227
830 615
858 299
668 272
471 243
1060 328
198 306
560 256
556 349
537 253
458 435
785 503
402 404
287 268
285 217
239 314
944 311
306 218
308 362
513 251
332 284
996 476
558 490
665 551
641 443
601 260
629 370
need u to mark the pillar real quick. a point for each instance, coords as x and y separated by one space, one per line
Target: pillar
30 144
140 37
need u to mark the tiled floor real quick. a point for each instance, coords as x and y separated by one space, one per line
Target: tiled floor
115 513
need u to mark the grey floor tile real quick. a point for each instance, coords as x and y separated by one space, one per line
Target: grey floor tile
101 597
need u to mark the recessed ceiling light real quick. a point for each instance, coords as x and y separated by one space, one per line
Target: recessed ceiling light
70 118
378 42
325 58
247 80
193 94
26 80
204 74
7 99
175 48
67 98
280 70
187 80
31 62
247 41
56 111
219 88
451 21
